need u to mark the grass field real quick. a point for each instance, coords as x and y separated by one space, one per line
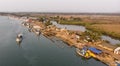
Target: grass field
112 30
108 27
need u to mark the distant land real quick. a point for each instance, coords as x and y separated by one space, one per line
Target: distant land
54 13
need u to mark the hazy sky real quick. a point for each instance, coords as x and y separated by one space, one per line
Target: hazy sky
60 6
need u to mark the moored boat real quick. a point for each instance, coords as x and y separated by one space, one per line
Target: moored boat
83 53
37 31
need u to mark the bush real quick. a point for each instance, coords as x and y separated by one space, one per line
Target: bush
48 23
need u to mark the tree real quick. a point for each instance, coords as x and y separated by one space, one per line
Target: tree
92 36
48 23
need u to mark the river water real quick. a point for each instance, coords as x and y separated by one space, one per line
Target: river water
83 29
70 27
36 50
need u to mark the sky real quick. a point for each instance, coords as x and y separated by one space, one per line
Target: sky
97 6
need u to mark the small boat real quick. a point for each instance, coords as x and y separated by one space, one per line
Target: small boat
23 23
19 38
37 31
20 35
83 53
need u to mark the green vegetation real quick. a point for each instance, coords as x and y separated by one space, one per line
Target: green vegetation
45 20
73 22
105 32
48 23
91 36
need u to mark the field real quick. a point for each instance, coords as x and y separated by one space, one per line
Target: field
108 27
112 30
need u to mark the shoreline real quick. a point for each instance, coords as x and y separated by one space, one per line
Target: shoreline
64 35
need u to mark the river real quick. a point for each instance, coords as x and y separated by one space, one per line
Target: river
36 50
83 29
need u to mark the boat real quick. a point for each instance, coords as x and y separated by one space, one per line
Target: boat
37 31
19 38
79 52
83 53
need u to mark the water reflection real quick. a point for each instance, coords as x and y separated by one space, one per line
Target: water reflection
19 45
